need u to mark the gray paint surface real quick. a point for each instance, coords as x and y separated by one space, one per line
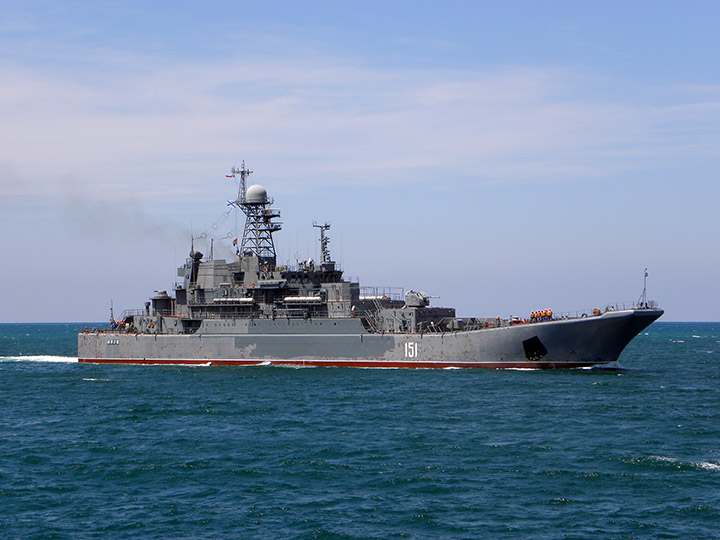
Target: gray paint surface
592 340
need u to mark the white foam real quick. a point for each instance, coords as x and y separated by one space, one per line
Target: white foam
174 364
663 458
41 358
706 465
614 365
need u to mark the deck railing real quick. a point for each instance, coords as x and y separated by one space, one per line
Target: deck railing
616 306
395 293
382 293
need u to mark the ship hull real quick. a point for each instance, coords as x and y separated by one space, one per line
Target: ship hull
569 343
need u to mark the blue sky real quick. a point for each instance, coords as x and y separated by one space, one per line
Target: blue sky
504 156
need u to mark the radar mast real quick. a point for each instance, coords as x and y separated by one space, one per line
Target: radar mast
326 261
257 237
244 174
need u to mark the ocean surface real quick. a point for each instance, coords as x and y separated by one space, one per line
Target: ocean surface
136 452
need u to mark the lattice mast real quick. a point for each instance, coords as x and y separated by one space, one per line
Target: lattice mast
244 174
259 225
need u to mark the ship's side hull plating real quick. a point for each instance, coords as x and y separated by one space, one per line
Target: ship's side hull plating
553 344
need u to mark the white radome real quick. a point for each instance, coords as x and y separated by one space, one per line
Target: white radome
256 194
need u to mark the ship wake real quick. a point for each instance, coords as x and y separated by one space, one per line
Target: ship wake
40 358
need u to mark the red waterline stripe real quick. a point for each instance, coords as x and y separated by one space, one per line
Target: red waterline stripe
345 363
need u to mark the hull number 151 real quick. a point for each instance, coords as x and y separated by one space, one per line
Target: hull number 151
411 349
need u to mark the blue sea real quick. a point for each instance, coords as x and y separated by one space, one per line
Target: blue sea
151 452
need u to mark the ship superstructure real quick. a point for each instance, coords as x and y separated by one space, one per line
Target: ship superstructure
252 310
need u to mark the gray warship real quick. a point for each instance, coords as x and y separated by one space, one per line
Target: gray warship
254 311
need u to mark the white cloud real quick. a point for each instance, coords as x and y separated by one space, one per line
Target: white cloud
126 154
151 128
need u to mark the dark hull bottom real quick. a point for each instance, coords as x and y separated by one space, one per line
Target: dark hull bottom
346 363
